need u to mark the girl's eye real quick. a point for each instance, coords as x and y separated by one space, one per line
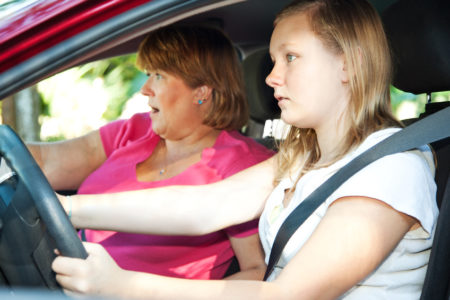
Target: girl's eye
290 57
158 76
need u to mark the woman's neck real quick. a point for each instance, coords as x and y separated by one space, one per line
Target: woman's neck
193 143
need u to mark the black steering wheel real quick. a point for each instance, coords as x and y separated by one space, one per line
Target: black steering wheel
32 221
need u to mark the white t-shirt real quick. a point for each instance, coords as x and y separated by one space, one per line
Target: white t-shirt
403 180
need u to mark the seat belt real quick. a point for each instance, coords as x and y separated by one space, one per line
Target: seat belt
425 131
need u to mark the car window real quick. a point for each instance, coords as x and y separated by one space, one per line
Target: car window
86 97
12 7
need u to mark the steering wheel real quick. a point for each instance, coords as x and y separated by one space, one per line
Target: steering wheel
32 221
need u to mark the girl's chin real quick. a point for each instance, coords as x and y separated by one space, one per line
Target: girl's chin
293 121
288 119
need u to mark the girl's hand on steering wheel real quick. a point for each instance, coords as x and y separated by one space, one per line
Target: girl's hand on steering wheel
96 274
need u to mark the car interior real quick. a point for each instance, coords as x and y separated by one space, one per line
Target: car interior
418 30
419 34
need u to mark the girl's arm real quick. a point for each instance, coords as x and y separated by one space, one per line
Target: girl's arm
174 210
353 238
67 163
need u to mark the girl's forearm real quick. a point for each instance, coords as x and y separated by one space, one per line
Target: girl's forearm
175 210
148 286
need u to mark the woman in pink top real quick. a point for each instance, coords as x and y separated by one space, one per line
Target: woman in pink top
190 137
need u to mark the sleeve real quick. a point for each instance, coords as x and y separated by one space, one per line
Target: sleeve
236 153
244 229
118 133
403 180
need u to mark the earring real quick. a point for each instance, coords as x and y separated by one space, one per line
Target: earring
200 101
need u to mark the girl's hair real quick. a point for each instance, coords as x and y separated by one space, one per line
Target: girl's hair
351 28
200 56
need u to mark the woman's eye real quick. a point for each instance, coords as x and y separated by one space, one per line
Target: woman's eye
290 57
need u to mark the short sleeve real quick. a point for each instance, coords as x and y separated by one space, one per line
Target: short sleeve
119 133
243 230
403 180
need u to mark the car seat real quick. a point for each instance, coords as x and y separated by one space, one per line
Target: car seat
262 104
262 107
419 33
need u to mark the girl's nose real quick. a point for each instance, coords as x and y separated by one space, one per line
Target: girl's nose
273 79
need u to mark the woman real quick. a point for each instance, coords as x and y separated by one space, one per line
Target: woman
369 240
190 137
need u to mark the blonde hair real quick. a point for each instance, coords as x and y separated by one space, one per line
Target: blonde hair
200 55
351 28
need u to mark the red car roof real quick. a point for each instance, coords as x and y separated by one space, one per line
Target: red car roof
48 22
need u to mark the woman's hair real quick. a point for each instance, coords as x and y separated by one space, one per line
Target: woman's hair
200 56
351 28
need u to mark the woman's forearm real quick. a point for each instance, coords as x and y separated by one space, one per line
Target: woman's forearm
174 210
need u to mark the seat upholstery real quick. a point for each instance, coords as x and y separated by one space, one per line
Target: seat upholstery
262 104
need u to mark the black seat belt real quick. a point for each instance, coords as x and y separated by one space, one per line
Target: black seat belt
425 131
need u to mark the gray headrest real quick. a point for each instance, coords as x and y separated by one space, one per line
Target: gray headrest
418 31
262 104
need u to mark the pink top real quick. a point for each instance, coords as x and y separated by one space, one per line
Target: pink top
128 142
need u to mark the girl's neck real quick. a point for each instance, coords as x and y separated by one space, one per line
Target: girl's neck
331 141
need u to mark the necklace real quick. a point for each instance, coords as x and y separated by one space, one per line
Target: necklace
163 159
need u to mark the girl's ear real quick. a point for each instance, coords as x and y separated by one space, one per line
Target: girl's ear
202 93
344 71
357 61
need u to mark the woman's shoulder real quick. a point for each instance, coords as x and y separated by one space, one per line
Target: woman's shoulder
121 132
229 140
137 122
234 152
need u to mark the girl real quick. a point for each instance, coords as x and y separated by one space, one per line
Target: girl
369 240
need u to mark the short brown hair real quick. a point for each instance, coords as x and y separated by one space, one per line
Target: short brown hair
200 55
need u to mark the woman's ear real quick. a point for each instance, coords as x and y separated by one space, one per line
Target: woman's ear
202 93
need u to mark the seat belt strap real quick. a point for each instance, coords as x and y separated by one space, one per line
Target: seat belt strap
425 131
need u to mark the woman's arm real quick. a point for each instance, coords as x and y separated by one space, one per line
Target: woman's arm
174 210
353 238
67 163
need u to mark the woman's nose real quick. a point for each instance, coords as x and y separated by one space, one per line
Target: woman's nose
146 89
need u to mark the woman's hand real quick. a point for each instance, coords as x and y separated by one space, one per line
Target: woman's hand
97 274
